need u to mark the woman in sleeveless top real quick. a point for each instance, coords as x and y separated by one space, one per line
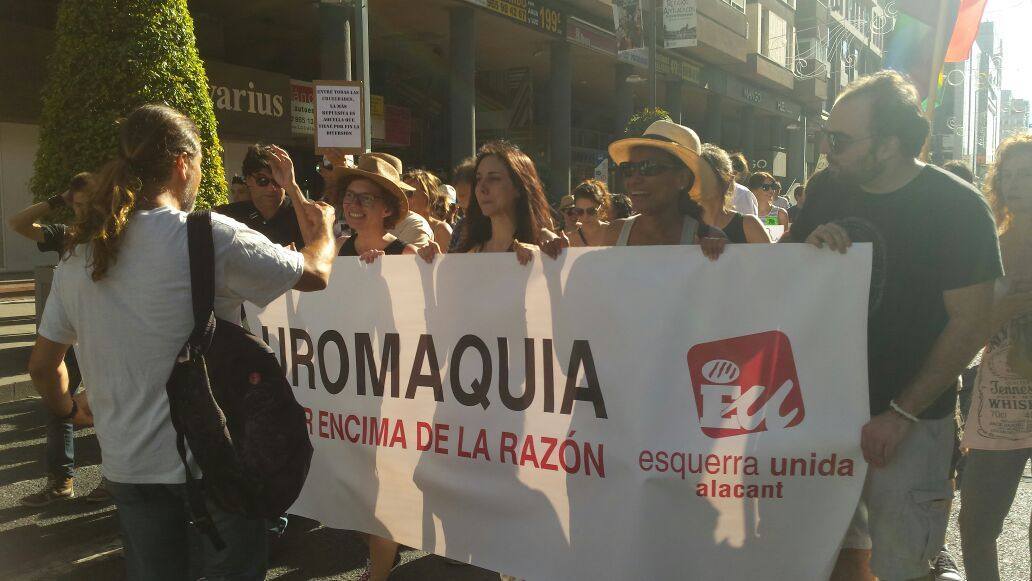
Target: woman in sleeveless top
660 172
591 209
765 188
373 198
371 204
999 448
428 191
716 198
508 211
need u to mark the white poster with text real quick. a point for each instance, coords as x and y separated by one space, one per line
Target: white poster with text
619 413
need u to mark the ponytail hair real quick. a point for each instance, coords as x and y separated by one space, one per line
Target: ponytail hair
150 140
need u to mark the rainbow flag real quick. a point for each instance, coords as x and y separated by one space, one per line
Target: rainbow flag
910 44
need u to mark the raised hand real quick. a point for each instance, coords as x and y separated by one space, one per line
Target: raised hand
281 166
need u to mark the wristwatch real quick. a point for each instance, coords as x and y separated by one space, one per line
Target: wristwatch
71 414
56 202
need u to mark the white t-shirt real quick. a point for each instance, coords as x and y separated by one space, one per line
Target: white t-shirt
413 229
128 328
745 201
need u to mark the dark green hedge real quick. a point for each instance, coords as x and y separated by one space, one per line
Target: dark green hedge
110 57
641 120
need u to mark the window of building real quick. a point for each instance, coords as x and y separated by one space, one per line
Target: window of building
777 38
738 5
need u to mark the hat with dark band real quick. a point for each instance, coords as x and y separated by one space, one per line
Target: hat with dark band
680 141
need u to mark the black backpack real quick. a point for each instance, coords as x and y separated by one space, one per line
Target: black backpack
231 402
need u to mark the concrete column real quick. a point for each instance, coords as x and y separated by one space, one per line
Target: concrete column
334 41
624 105
462 88
797 152
747 132
560 101
674 104
362 64
714 126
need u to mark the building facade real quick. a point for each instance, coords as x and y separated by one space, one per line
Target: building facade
557 77
1015 119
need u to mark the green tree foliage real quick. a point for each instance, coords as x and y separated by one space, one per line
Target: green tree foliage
110 57
641 120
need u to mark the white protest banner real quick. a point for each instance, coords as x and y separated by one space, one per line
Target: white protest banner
680 23
339 120
619 413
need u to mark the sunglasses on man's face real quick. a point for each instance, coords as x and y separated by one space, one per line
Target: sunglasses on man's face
839 142
262 181
647 168
769 187
581 211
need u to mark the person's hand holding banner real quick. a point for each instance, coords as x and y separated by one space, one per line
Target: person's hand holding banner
881 436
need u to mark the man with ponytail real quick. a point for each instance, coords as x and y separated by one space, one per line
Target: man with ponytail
122 295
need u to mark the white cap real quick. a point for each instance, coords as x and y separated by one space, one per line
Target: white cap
452 194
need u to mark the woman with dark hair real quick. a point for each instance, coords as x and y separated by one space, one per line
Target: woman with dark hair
463 178
997 455
660 171
766 188
620 207
427 192
372 201
508 211
715 197
590 209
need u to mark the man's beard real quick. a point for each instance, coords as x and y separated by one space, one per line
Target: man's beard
864 172
187 201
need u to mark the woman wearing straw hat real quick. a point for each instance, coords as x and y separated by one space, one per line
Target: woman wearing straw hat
372 200
660 172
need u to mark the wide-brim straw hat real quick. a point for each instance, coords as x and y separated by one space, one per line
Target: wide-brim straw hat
382 171
680 141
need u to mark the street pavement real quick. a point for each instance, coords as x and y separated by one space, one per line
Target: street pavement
76 540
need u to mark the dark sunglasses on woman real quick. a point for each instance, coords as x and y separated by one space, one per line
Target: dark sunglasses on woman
581 211
647 168
263 181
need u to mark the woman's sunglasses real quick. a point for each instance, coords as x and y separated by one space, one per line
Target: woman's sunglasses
770 187
263 181
581 211
647 168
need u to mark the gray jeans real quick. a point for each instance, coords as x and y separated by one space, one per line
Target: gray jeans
991 479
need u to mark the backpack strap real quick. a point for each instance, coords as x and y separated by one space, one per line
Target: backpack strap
202 278
202 287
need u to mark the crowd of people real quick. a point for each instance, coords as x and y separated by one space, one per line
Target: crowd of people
122 296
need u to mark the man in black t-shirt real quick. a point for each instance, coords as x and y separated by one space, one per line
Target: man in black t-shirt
60 448
936 257
269 210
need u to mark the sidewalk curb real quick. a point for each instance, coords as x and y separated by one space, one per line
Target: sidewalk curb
17 391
